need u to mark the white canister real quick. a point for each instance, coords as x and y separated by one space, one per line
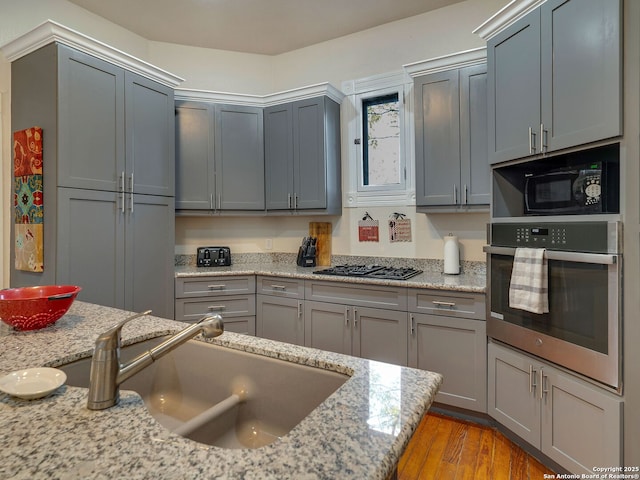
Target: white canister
451 255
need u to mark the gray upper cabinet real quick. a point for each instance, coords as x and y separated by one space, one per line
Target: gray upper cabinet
302 156
451 148
195 174
239 157
555 79
96 101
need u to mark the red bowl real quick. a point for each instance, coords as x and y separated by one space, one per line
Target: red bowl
31 308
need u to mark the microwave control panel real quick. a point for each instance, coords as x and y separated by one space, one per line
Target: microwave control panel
596 237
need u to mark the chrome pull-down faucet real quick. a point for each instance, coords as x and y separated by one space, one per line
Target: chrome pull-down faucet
106 371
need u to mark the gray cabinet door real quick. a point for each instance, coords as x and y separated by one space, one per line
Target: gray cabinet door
91 122
91 246
278 156
280 319
149 254
437 124
380 335
309 153
581 425
328 326
474 149
513 391
150 136
456 348
513 59
195 175
239 157
581 71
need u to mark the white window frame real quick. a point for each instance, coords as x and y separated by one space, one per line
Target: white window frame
357 194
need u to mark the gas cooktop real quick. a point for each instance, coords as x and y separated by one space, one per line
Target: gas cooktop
370 271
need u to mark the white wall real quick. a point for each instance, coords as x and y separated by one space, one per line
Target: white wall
378 50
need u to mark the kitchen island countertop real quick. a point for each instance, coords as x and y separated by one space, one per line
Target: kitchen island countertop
348 436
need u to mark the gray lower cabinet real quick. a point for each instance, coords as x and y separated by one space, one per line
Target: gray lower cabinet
449 337
573 422
233 297
555 79
451 138
302 156
368 321
104 246
280 309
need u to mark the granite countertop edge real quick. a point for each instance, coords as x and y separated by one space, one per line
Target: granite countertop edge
63 439
464 282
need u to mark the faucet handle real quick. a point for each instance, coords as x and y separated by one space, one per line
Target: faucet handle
110 339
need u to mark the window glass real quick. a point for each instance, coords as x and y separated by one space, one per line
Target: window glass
381 141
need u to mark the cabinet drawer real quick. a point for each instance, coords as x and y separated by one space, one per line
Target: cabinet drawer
227 306
214 286
455 304
392 298
281 287
245 325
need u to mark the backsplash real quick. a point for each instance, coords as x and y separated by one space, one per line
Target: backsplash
425 264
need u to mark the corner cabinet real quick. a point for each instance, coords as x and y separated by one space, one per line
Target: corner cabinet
302 156
108 173
555 79
219 157
546 407
452 168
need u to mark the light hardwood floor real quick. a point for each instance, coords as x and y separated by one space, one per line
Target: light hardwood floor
450 448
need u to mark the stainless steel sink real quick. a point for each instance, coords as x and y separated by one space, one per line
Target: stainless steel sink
221 396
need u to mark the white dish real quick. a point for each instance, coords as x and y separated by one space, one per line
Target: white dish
33 382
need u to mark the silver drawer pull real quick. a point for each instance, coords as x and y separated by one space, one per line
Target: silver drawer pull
216 287
443 304
279 287
215 307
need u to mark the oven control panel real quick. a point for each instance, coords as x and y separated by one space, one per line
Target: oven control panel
596 237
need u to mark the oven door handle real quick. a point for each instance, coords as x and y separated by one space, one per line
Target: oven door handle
578 257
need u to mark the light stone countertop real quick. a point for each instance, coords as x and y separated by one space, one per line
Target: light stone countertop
59 438
473 282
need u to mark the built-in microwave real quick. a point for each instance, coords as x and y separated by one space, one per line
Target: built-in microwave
571 190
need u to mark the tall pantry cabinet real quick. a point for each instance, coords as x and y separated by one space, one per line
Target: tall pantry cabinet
108 166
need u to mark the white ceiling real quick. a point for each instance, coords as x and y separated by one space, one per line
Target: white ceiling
254 26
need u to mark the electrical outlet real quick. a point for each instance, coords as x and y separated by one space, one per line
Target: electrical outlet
268 244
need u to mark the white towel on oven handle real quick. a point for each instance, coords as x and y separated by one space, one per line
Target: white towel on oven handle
529 288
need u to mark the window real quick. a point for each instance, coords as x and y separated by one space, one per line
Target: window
379 170
381 141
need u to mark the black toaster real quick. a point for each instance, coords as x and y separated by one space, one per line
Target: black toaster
213 257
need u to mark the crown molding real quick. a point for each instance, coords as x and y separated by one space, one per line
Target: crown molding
50 31
302 93
506 16
467 58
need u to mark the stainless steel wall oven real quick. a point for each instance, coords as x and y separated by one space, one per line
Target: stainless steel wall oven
581 332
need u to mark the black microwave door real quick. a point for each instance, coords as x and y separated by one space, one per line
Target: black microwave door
551 193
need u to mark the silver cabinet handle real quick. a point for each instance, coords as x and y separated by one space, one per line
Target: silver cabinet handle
131 182
215 307
122 190
280 288
355 318
346 316
412 321
532 379
532 141
216 287
211 202
543 139
299 309
440 303
455 194
289 200
219 201
295 201
543 389
465 194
